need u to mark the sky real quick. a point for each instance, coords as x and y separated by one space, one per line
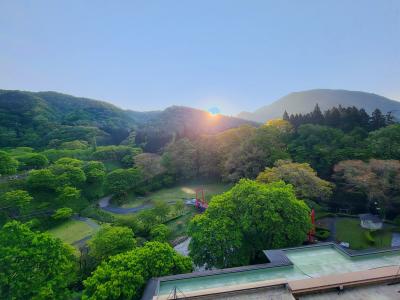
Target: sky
228 56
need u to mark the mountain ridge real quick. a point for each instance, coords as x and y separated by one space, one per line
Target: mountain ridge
304 102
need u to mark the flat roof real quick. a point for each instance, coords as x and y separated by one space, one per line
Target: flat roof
278 259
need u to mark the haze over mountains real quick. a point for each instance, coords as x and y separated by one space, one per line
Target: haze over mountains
304 102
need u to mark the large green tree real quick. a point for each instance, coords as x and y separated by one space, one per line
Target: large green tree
124 275
33 265
247 219
120 181
111 240
41 180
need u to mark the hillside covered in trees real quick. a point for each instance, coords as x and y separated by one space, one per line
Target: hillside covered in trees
46 119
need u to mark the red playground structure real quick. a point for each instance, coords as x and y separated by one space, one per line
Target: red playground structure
311 233
201 203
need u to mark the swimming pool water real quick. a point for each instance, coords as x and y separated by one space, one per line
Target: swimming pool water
307 262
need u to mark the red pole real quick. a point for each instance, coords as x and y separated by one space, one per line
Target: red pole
311 233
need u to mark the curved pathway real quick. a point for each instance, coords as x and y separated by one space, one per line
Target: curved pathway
104 204
92 224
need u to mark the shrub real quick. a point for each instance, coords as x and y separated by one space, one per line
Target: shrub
369 237
322 233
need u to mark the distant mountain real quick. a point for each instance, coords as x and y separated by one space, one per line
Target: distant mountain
49 118
304 102
179 121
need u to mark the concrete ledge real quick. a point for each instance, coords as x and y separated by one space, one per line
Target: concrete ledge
228 289
352 279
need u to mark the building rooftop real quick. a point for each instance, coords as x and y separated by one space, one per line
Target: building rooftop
293 271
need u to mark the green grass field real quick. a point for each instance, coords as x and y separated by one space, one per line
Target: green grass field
72 231
349 230
184 191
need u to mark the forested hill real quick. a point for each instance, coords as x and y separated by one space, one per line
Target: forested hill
48 118
303 102
178 121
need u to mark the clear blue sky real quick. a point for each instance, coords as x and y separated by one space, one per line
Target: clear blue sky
234 55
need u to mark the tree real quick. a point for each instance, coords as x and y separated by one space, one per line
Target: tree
385 142
120 181
69 197
41 179
68 174
111 240
247 219
180 159
67 161
161 209
150 165
322 147
13 202
95 172
303 178
378 180
8 165
32 161
160 233
124 275
33 265
378 120
266 145
63 213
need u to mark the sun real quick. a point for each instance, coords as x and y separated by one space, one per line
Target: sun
214 111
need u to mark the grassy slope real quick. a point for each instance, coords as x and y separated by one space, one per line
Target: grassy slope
72 231
349 230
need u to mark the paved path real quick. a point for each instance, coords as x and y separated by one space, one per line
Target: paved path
89 222
104 204
330 224
395 239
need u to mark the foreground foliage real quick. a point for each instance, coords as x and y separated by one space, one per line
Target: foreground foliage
33 265
249 218
125 275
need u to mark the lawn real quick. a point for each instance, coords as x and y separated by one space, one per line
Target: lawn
72 231
183 191
349 230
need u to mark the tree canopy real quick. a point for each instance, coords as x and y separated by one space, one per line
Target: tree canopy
111 240
33 265
124 275
247 219
303 178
